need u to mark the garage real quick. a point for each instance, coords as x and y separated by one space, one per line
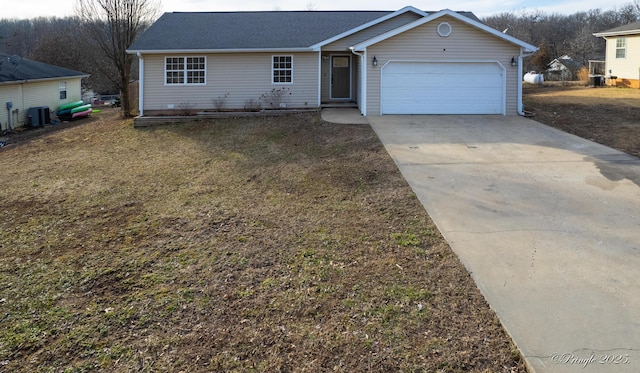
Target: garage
443 88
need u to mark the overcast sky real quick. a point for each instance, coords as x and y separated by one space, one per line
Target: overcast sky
62 8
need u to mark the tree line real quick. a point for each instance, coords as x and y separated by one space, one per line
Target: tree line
94 41
558 34
96 45
61 42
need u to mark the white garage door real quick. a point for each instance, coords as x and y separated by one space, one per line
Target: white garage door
443 88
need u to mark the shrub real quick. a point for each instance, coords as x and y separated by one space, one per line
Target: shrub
583 75
275 97
220 101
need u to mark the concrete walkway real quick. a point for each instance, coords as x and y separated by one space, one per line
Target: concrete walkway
547 223
343 116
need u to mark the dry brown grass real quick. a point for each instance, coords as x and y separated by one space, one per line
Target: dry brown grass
607 115
271 244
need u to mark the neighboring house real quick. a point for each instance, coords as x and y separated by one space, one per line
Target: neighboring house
622 58
403 62
563 68
28 84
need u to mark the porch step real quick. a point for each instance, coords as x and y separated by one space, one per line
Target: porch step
343 104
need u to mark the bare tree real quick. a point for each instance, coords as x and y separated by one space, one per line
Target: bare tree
63 43
558 34
115 25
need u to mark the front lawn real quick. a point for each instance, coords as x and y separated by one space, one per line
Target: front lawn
253 244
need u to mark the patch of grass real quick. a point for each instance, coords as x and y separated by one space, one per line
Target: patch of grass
406 239
253 244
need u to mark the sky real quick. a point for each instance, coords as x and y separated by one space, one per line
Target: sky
482 8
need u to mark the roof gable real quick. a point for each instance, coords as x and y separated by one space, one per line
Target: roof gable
629 29
447 12
370 24
17 69
566 61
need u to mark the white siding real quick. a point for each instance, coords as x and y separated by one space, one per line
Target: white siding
423 43
628 67
33 94
243 76
10 93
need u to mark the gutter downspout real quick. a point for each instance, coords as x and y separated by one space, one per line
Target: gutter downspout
520 104
140 84
363 82
9 107
320 79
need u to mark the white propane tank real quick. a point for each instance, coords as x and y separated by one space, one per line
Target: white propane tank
533 78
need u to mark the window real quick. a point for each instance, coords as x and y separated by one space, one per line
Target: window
621 48
444 29
185 70
62 88
282 69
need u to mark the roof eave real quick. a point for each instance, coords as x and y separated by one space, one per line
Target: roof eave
218 51
527 48
618 33
24 81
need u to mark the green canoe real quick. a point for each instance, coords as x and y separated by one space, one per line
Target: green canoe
70 105
80 108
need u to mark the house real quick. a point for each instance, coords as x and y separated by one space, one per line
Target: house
622 56
563 68
26 84
384 62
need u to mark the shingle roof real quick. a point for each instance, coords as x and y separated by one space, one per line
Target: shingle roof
247 30
631 28
15 68
250 30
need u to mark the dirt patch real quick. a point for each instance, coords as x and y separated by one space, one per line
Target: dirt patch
254 244
607 115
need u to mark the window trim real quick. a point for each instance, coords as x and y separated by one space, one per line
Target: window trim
185 70
621 46
62 87
274 69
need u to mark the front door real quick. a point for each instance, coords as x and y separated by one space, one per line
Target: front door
340 77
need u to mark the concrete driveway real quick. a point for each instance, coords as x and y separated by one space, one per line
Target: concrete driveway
547 223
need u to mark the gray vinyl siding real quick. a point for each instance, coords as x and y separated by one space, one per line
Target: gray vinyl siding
343 45
357 82
423 43
325 77
36 94
370 32
325 91
241 76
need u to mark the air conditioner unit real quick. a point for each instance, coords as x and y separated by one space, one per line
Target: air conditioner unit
38 116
